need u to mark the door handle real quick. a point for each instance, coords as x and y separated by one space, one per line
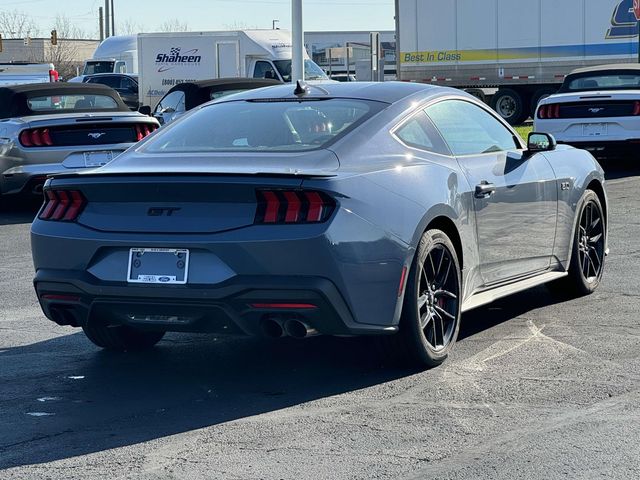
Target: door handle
484 189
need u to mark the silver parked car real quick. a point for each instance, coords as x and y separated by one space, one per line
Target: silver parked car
340 209
48 128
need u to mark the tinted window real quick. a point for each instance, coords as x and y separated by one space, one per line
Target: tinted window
224 93
72 102
418 132
264 126
469 129
172 102
129 85
113 82
611 81
264 70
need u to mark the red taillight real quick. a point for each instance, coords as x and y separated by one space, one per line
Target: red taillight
36 137
551 110
53 76
64 298
143 129
636 107
293 206
63 205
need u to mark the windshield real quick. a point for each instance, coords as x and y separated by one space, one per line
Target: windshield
270 125
604 81
71 102
311 70
97 67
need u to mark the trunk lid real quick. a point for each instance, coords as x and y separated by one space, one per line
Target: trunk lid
170 203
598 104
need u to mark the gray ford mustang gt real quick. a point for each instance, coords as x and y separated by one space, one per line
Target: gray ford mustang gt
339 209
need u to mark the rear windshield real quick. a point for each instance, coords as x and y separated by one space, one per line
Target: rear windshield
255 126
71 102
608 81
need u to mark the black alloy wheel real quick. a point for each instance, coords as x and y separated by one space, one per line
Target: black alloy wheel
430 318
588 250
438 294
590 238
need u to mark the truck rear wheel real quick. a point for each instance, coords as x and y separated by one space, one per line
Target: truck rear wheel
510 105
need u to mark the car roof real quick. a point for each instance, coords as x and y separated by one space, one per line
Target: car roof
198 92
13 98
609 67
388 92
112 74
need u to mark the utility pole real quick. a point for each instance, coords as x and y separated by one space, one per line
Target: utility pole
107 30
113 19
297 55
101 22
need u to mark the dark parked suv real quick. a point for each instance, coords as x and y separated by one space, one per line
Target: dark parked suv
126 84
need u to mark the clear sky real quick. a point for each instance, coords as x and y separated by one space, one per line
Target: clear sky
148 15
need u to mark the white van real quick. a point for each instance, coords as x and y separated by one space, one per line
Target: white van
167 59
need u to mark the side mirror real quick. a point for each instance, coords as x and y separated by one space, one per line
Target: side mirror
540 142
145 110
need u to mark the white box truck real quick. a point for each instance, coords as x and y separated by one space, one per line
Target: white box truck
524 48
167 59
117 54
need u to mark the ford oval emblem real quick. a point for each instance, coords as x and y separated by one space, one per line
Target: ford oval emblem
164 279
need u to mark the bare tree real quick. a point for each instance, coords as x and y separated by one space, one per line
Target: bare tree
16 24
239 25
173 26
129 27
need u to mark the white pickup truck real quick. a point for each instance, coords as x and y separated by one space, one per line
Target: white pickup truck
19 73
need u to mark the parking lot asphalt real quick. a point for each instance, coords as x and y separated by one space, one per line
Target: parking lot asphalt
537 387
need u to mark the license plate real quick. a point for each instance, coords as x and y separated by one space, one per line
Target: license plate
97 159
594 129
168 266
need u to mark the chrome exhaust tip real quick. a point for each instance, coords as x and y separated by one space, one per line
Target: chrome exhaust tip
298 329
272 328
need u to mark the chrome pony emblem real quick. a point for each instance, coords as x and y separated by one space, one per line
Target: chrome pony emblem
96 135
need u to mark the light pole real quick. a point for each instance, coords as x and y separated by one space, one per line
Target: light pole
297 56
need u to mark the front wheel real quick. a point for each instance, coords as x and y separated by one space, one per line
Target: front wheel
588 250
431 311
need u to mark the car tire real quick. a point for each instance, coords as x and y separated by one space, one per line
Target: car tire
587 250
510 105
430 318
120 337
540 95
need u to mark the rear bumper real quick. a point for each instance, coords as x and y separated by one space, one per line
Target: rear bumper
75 298
613 149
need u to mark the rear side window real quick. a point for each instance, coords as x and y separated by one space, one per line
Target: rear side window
173 102
469 129
72 102
418 132
255 126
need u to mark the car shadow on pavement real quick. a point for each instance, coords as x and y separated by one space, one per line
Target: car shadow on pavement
17 210
618 168
63 397
505 309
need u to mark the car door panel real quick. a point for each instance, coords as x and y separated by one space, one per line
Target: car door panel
516 222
